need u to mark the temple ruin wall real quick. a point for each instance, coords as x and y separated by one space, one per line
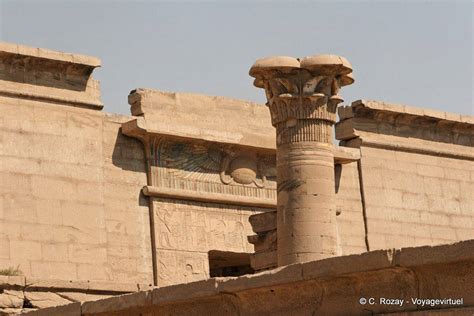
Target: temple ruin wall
77 185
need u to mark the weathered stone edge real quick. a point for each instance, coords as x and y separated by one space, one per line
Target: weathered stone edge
209 197
49 54
26 282
332 267
138 94
79 101
410 110
137 128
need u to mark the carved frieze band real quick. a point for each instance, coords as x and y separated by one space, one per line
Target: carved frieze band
304 131
303 114
211 168
286 107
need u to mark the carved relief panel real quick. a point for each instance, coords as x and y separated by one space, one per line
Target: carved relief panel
211 168
185 231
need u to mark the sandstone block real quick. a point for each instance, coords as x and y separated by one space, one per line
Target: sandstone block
73 309
84 253
430 171
264 242
263 222
82 215
45 299
440 232
20 249
12 281
11 299
4 248
53 270
94 272
431 218
55 252
53 188
48 211
263 260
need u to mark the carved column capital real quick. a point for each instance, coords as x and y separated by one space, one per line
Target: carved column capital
302 94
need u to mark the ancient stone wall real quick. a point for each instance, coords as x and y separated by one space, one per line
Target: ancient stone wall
70 182
417 169
70 190
94 197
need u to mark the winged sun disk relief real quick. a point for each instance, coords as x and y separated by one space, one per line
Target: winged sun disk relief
197 161
243 170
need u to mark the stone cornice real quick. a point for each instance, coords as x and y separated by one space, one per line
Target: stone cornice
362 108
138 128
49 76
15 49
403 128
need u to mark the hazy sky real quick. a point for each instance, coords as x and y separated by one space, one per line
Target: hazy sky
415 53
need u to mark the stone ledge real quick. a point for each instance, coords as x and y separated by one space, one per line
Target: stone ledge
347 111
401 128
121 302
411 145
87 286
49 54
221 198
393 263
73 309
11 281
414 256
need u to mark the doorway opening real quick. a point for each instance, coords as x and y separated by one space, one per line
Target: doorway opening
226 263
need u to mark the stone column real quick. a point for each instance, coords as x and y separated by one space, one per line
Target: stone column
302 97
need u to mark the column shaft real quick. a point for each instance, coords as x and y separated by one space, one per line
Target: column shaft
306 213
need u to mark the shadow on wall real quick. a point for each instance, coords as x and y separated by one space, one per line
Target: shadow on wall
129 155
337 176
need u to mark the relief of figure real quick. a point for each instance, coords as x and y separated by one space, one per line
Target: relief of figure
169 228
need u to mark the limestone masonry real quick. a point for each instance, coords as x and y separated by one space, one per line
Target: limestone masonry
201 205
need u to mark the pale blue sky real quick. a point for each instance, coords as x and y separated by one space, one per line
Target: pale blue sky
415 53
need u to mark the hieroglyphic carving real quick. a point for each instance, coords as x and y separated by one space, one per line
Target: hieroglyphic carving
186 231
210 167
194 226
